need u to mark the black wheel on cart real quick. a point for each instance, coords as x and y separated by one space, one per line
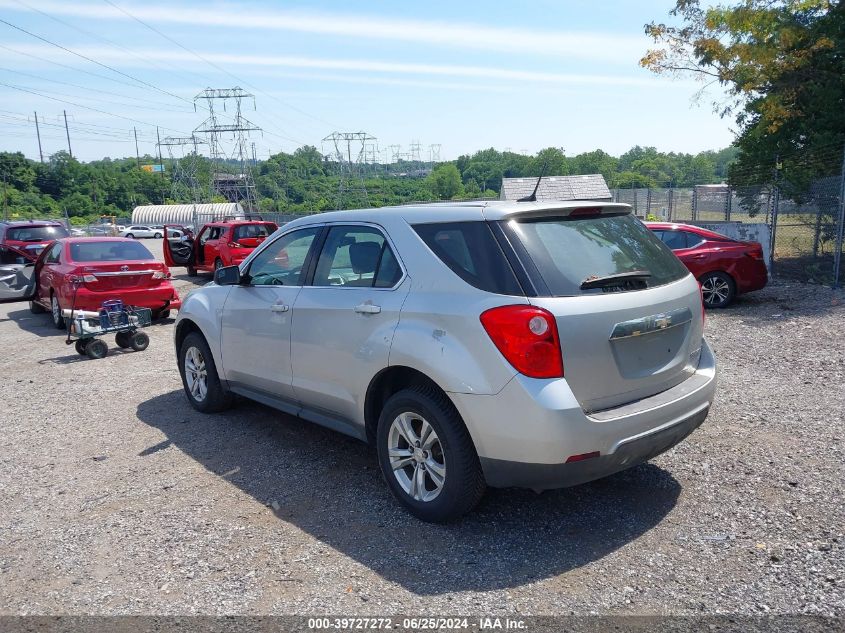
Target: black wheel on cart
80 346
96 349
139 341
123 339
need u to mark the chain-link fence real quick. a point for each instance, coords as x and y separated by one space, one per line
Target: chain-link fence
805 221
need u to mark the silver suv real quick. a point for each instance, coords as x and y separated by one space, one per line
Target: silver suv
527 344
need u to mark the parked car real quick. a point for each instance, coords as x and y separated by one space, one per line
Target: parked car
538 345
725 267
31 235
16 271
137 231
217 244
78 233
83 272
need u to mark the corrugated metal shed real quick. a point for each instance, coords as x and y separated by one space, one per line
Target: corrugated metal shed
184 213
586 187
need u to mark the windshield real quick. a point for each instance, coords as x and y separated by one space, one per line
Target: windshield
109 251
36 233
253 230
571 251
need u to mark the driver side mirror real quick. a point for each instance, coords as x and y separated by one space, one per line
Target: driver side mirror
227 276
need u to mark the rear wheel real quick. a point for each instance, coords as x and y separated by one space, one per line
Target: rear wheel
36 308
139 341
96 349
717 289
130 236
56 312
160 314
202 384
157 236
80 346
427 456
218 263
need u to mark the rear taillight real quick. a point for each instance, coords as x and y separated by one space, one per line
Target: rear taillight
527 337
755 254
88 279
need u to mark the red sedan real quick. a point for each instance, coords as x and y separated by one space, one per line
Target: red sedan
723 266
85 271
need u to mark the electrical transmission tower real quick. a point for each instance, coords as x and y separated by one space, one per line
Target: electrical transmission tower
395 151
434 153
415 152
220 128
348 149
183 178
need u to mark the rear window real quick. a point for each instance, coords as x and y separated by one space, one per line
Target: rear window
472 252
568 251
108 251
36 233
253 230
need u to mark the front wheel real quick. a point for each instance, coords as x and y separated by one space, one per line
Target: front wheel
218 264
427 456
202 384
96 349
157 236
139 341
56 312
130 236
717 289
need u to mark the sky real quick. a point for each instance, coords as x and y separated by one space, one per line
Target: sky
452 77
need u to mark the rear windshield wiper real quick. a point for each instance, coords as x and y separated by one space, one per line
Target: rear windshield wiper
612 280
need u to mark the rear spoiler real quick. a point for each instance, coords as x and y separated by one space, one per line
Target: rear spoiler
569 210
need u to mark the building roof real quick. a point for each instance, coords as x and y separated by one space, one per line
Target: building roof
184 213
586 187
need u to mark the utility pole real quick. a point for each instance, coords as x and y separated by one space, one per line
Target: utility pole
67 132
38 134
775 213
840 227
5 199
160 166
137 154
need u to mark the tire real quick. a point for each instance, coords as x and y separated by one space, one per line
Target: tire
36 308
96 349
218 263
130 236
462 481
160 314
139 341
717 289
157 236
80 346
213 397
56 312
192 272
123 339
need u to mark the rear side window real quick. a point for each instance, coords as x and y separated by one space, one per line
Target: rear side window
568 251
471 251
675 239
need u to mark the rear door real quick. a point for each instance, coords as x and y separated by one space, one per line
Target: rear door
344 319
622 338
17 275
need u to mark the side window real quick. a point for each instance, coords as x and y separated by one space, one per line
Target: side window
693 239
471 251
282 262
54 255
356 256
674 239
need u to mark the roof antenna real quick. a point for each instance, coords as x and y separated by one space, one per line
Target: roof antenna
533 196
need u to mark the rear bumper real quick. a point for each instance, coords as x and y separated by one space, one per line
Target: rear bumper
525 433
163 297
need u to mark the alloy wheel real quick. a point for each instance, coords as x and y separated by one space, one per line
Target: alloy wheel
196 375
416 457
56 310
715 290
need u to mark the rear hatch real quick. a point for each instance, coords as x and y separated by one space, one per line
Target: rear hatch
628 312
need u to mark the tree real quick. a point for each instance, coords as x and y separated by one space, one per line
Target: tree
781 64
445 181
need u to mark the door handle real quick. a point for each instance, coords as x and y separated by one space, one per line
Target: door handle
279 307
367 308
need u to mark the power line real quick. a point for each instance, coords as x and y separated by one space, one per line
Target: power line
94 61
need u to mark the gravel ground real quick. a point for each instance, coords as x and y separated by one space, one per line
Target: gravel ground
118 498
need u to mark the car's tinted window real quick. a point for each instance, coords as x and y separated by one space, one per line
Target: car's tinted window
568 251
281 263
674 239
108 251
357 256
693 239
35 233
472 252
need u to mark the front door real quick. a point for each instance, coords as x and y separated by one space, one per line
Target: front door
178 246
343 322
17 275
257 315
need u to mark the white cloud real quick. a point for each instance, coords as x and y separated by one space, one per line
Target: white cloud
404 69
604 47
